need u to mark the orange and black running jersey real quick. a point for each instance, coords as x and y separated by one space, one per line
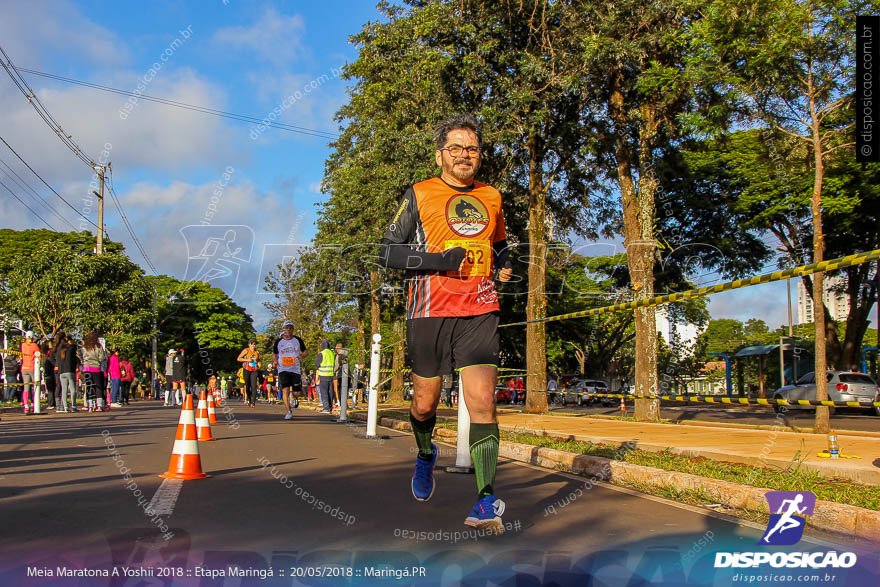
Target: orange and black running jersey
433 217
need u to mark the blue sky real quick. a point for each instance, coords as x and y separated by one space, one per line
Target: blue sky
238 56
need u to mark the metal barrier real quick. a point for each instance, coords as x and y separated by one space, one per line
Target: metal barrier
739 400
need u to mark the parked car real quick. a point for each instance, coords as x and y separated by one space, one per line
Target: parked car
843 386
580 391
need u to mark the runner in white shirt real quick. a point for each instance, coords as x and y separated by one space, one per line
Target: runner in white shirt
289 350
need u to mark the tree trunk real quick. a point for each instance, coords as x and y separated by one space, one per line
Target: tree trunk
638 221
396 394
822 424
536 305
361 345
375 310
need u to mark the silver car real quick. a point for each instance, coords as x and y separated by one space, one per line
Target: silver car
843 386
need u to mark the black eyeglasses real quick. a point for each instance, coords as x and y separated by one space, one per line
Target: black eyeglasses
456 150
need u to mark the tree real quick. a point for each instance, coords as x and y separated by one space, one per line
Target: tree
203 321
484 58
724 335
16 244
629 60
759 176
789 62
41 287
56 288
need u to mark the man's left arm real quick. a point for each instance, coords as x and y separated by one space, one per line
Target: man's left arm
500 248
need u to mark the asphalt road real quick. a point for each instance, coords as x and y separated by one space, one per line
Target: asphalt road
306 498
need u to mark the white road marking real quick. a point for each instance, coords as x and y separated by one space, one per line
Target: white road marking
166 497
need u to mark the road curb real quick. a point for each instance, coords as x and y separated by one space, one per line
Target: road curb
829 469
605 418
828 515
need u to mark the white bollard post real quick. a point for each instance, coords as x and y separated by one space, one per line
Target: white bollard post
373 405
463 462
37 385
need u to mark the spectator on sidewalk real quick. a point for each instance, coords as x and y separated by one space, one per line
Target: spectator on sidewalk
169 375
325 365
178 376
28 350
92 355
115 378
126 377
48 366
11 369
340 363
66 362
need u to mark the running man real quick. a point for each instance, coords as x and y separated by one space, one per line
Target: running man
449 234
289 350
786 521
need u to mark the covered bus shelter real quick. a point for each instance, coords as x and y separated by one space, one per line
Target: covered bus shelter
794 361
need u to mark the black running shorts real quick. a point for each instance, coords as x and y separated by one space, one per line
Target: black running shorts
288 379
436 346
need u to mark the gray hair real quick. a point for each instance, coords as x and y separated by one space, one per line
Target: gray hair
456 122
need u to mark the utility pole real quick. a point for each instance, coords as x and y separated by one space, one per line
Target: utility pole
100 170
153 377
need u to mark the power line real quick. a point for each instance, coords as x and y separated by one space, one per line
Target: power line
34 101
203 109
28 92
37 196
34 212
8 146
137 242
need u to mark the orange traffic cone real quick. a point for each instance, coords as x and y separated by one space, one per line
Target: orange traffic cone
203 427
212 414
622 405
185 460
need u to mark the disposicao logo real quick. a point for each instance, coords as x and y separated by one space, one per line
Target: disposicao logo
789 511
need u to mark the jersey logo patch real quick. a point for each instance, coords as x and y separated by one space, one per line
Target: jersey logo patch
466 215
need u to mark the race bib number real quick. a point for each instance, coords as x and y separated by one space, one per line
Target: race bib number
477 262
288 361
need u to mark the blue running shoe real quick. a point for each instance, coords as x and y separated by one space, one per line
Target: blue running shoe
423 477
486 515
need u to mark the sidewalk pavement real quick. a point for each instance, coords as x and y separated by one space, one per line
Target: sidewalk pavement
766 448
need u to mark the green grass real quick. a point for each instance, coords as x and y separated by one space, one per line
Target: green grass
792 478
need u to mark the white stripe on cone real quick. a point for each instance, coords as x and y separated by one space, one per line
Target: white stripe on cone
185 447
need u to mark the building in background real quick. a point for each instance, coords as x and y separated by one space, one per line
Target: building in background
836 300
678 334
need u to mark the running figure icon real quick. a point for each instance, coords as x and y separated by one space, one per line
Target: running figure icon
786 520
789 511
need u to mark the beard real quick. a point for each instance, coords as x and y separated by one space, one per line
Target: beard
463 172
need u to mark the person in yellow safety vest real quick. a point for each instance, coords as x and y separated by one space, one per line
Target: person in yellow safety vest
325 363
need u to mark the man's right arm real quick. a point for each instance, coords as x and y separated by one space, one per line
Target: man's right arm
395 251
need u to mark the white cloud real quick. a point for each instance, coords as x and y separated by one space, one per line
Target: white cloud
274 37
33 29
159 212
153 136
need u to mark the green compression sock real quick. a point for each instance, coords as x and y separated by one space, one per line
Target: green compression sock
484 452
423 430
